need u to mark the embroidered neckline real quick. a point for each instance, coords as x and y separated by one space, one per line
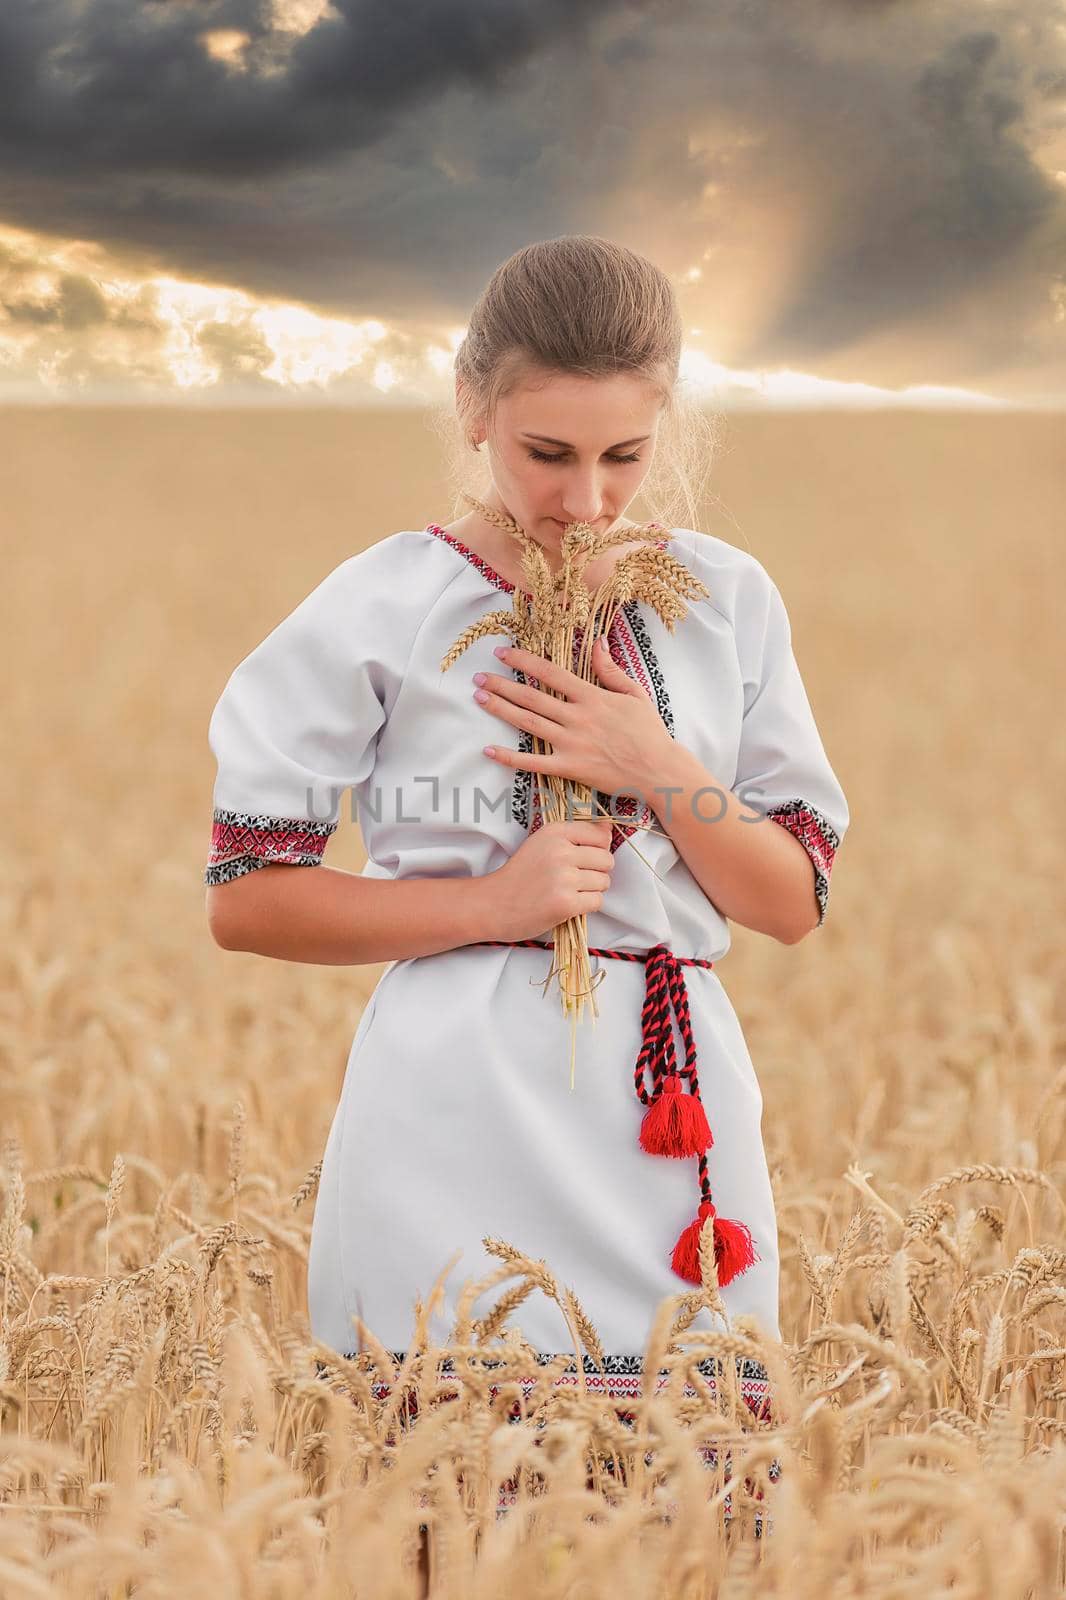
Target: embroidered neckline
489 572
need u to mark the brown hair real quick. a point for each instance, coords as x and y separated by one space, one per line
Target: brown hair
583 305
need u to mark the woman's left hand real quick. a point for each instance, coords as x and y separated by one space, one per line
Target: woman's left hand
610 738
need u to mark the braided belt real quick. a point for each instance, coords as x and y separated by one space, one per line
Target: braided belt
675 1123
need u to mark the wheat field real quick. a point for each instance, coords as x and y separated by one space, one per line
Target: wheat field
167 1423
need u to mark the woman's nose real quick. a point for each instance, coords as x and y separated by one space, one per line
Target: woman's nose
583 501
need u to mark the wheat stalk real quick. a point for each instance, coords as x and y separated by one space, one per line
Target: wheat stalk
545 620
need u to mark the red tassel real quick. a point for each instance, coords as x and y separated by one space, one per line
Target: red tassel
734 1251
675 1124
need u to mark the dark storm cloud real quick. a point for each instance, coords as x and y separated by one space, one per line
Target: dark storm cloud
950 193
112 84
296 176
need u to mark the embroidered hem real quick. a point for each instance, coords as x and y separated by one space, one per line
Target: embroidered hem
818 837
621 1379
244 840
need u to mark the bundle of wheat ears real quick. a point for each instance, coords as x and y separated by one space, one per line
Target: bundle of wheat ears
545 621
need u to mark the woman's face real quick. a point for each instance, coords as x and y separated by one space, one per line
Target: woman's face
573 450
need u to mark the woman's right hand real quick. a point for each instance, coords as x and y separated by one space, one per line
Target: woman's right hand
560 870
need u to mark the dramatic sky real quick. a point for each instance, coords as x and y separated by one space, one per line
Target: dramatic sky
859 201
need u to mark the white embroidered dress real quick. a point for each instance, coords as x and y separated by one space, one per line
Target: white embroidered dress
456 1119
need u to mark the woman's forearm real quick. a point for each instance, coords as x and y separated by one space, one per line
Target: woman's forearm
330 917
754 871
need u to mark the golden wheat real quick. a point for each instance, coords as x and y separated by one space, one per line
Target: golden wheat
167 1422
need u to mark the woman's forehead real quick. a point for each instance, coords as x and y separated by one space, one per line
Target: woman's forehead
572 409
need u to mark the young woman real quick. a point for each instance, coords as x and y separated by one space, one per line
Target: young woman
457 1120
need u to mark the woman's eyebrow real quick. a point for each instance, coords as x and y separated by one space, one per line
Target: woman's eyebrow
545 439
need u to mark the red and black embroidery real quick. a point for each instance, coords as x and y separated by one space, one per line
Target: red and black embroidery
622 1377
620 1380
818 837
244 840
631 649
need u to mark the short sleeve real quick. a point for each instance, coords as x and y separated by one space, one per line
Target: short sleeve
296 725
782 767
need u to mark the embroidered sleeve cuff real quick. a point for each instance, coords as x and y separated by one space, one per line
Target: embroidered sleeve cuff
817 836
243 840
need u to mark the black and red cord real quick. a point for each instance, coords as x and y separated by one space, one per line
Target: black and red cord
675 1123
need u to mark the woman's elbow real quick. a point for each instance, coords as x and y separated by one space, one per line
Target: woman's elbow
222 925
800 930
803 918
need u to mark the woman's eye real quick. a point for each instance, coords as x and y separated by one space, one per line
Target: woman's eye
540 455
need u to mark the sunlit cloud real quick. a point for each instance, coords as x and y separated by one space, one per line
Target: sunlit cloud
299 16
227 45
73 324
730 388
76 324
